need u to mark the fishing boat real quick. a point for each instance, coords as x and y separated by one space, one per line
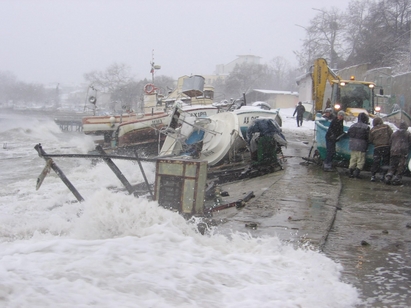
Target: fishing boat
210 138
147 130
246 115
190 90
106 124
343 153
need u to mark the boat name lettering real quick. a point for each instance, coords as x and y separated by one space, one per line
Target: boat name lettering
247 119
159 121
199 114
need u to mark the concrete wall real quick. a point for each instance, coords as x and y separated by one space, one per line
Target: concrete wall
401 91
359 71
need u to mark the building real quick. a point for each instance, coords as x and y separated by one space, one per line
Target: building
225 69
276 99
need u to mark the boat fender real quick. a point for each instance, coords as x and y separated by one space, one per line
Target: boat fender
112 121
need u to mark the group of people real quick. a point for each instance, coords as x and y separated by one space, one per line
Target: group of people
390 148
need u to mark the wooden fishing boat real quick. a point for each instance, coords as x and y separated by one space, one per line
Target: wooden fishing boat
148 129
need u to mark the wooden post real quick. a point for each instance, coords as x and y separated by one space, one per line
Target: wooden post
58 171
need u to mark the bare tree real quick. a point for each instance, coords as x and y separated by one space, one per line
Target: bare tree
283 75
323 38
114 77
247 76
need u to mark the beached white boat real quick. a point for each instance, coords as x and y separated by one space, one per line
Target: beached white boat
211 139
246 115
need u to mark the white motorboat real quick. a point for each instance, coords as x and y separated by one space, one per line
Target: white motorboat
212 138
246 115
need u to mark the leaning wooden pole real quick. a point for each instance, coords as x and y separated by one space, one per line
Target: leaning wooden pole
144 175
115 169
58 171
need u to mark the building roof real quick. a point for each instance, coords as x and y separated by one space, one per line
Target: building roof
275 92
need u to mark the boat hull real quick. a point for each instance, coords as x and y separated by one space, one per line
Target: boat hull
343 153
216 138
100 125
142 131
148 129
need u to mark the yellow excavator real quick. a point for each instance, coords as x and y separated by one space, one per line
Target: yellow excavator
351 96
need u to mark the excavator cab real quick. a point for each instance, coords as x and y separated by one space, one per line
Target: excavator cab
353 97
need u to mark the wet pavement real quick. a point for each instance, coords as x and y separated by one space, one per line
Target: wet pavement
365 226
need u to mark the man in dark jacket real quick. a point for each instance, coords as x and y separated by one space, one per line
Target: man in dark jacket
299 110
335 130
380 137
400 143
358 133
328 114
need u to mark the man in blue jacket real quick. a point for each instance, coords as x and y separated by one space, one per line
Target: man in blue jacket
358 134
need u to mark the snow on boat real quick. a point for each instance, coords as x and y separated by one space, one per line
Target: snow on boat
211 138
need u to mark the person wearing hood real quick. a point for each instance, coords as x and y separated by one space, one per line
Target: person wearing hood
358 144
400 143
299 110
380 137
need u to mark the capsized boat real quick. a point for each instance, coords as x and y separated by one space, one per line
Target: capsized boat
210 138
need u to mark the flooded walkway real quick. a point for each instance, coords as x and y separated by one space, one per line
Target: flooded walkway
370 238
364 226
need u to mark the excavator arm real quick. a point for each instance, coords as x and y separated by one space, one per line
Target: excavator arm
320 75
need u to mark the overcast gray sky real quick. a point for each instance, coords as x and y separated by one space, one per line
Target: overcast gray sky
50 41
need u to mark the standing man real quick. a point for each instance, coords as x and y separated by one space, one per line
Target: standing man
400 143
328 114
380 137
299 110
358 133
335 130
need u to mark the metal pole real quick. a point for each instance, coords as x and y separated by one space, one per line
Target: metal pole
60 173
115 169
144 175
